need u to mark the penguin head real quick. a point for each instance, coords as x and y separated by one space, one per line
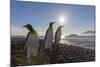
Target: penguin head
60 26
51 23
29 27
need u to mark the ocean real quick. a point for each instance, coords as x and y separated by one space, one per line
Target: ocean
80 41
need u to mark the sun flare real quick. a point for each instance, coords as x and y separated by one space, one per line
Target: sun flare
62 20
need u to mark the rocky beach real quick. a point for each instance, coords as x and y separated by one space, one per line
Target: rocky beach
64 54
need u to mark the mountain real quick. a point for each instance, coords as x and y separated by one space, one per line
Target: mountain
88 32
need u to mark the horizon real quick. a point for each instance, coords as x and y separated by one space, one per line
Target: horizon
62 36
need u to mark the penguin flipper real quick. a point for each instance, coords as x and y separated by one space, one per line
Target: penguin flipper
46 34
25 46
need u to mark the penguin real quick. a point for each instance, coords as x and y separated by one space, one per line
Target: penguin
31 42
58 35
49 36
56 45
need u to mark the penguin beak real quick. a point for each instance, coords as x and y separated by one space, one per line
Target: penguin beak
62 26
53 23
24 26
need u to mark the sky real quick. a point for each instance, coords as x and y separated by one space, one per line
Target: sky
75 18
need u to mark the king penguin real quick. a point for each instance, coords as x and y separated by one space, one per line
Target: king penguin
49 36
31 42
58 35
56 45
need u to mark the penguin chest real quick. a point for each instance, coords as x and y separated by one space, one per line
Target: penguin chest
33 41
58 36
49 39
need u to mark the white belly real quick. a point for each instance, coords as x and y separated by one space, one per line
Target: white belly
32 44
58 37
49 39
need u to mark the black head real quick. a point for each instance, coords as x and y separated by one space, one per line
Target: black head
51 23
28 26
61 26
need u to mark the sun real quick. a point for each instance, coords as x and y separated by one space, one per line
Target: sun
62 20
